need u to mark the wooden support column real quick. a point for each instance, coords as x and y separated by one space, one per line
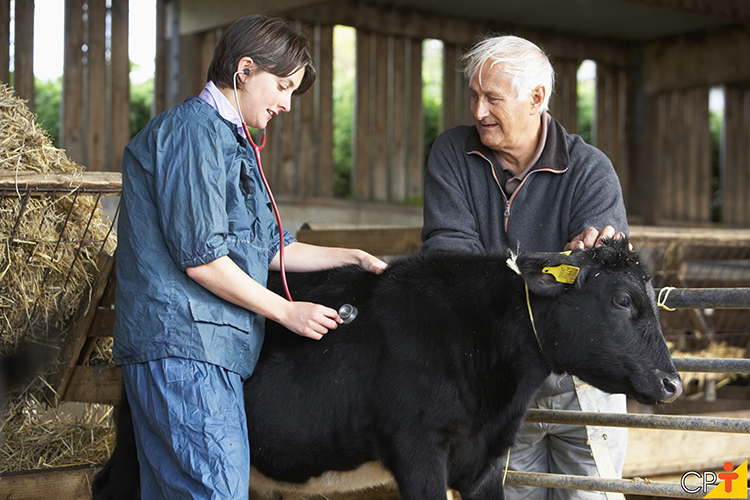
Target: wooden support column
120 83
564 101
736 183
684 155
456 97
5 41
307 146
96 128
324 130
416 125
71 119
398 147
612 115
23 72
161 58
361 171
380 143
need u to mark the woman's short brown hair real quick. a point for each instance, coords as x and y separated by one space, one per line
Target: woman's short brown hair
270 43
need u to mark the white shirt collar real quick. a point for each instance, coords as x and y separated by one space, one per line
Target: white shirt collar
213 96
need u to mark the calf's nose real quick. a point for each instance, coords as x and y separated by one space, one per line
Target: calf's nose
671 386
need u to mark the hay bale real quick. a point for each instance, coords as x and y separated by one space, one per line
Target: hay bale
48 250
49 244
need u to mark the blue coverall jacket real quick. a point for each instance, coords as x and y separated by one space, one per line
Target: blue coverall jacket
191 193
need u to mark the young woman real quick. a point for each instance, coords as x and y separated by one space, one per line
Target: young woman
196 238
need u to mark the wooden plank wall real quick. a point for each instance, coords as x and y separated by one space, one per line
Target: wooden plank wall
563 103
298 158
388 155
614 88
95 114
683 155
5 40
23 74
456 95
737 157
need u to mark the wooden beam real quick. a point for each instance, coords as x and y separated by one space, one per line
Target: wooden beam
415 151
702 60
736 11
80 326
398 150
44 184
64 483
161 72
88 386
23 73
380 146
120 83
5 41
96 127
325 110
361 171
419 25
71 116
307 146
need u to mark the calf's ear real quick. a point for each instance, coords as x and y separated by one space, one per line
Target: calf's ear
547 274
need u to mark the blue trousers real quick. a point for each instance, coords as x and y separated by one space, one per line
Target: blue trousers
191 429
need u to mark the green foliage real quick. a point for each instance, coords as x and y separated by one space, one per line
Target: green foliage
344 77
586 90
141 97
47 106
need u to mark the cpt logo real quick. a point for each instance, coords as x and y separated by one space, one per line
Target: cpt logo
733 482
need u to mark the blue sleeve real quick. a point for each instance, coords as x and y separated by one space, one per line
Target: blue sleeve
190 185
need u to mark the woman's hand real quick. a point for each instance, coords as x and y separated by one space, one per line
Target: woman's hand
309 320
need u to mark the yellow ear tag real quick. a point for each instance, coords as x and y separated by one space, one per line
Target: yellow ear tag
563 273
568 252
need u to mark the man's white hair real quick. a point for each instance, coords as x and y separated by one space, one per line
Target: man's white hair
526 63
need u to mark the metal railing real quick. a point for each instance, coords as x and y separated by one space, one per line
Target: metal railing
716 298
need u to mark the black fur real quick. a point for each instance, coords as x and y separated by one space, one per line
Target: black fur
435 374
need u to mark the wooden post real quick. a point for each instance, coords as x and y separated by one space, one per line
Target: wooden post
361 172
737 157
96 127
120 83
307 146
5 41
398 150
325 104
81 323
379 143
23 73
416 125
161 74
71 117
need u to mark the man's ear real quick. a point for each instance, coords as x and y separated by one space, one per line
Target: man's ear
548 273
537 98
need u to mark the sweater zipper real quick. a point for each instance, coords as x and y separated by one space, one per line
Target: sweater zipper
508 201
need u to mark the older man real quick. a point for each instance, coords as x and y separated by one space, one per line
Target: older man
518 180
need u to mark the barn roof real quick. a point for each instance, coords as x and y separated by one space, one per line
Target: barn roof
615 20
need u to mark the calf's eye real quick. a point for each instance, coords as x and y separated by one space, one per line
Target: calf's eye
621 300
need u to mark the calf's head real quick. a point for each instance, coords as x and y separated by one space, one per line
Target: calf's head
596 316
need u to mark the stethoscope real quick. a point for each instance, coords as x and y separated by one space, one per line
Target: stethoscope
347 312
257 149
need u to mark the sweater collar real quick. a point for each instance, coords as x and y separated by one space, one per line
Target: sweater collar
555 155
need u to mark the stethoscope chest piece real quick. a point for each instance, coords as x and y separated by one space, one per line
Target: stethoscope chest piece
348 312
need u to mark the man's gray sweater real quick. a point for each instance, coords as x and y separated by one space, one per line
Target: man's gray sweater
573 186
